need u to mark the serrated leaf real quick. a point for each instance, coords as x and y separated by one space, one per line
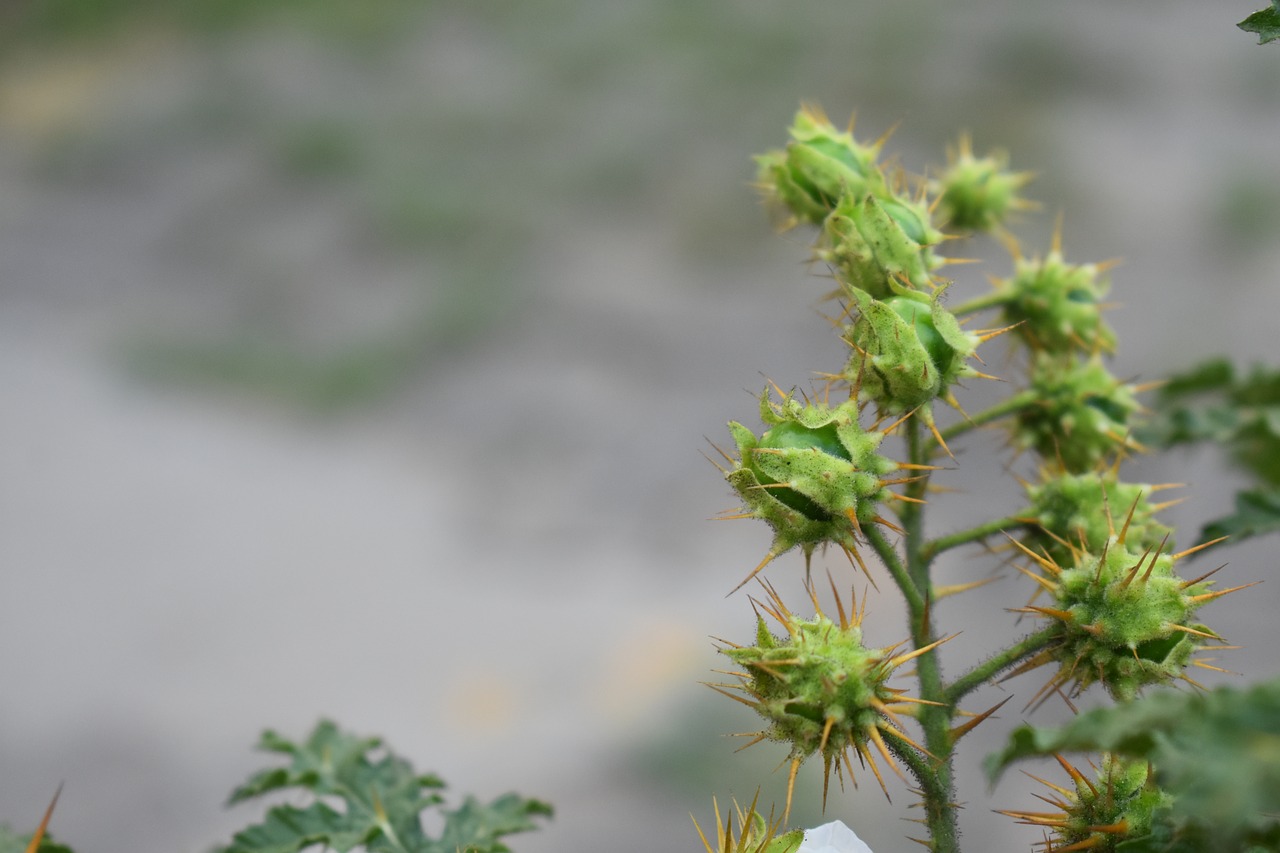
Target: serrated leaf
363 796
1216 753
1265 22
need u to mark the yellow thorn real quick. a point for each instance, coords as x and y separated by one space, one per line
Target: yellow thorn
768 558
38 835
1210 596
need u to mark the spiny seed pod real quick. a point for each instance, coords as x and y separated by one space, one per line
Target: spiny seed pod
755 834
814 475
821 690
1082 414
908 350
1057 305
1125 618
978 194
1081 512
1098 815
870 243
818 167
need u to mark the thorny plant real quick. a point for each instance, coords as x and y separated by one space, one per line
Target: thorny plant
849 468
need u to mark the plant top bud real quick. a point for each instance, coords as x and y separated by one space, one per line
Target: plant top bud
872 242
1058 305
977 194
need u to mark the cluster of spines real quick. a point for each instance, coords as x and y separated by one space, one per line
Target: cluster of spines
756 834
1096 815
822 691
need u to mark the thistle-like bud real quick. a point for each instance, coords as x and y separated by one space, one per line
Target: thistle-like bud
908 350
872 242
977 194
1083 414
818 167
814 475
1057 305
821 690
1125 618
1076 513
755 834
1100 814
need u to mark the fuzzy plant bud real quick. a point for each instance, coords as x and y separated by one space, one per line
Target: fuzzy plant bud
1125 618
822 690
755 834
978 194
814 475
908 350
1082 415
870 242
1057 305
818 167
1099 814
1081 512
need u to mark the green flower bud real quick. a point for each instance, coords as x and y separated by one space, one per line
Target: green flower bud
814 475
755 834
1077 513
1100 815
1082 416
978 194
818 167
1058 305
871 243
1125 618
908 350
821 690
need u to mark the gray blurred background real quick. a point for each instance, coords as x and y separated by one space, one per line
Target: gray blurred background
357 359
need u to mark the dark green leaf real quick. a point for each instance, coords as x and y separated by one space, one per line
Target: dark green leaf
1216 753
362 796
1265 22
1256 512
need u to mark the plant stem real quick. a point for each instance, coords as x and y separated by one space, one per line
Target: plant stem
997 663
937 784
980 303
973 534
1010 406
888 556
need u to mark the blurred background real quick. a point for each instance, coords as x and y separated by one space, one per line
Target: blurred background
357 360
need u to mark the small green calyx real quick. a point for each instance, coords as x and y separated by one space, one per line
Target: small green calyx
1083 413
1057 305
1125 617
814 475
908 350
1099 814
978 194
755 834
874 243
818 167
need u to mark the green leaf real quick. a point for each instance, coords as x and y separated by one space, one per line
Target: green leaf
363 796
1257 512
1265 22
1216 753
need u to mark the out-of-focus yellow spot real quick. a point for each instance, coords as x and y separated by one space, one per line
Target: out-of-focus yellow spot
644 667
481 702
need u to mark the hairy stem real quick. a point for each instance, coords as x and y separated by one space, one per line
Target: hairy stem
974 534
999 662
1009 406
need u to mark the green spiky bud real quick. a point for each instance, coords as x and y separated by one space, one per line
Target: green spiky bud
818 167
978 194
1077 513
1082 415
1126 619
1101 814
870 243
755 834
821 689
1058 305
814 475
908 350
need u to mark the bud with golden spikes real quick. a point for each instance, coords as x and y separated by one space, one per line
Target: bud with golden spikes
907 351
1083 415
755 834
823 691
1057 305
1098 815
818 167
814 475
978 194
1081 512
1125 617
872 242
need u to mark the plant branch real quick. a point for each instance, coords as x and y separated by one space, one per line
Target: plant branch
997 663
